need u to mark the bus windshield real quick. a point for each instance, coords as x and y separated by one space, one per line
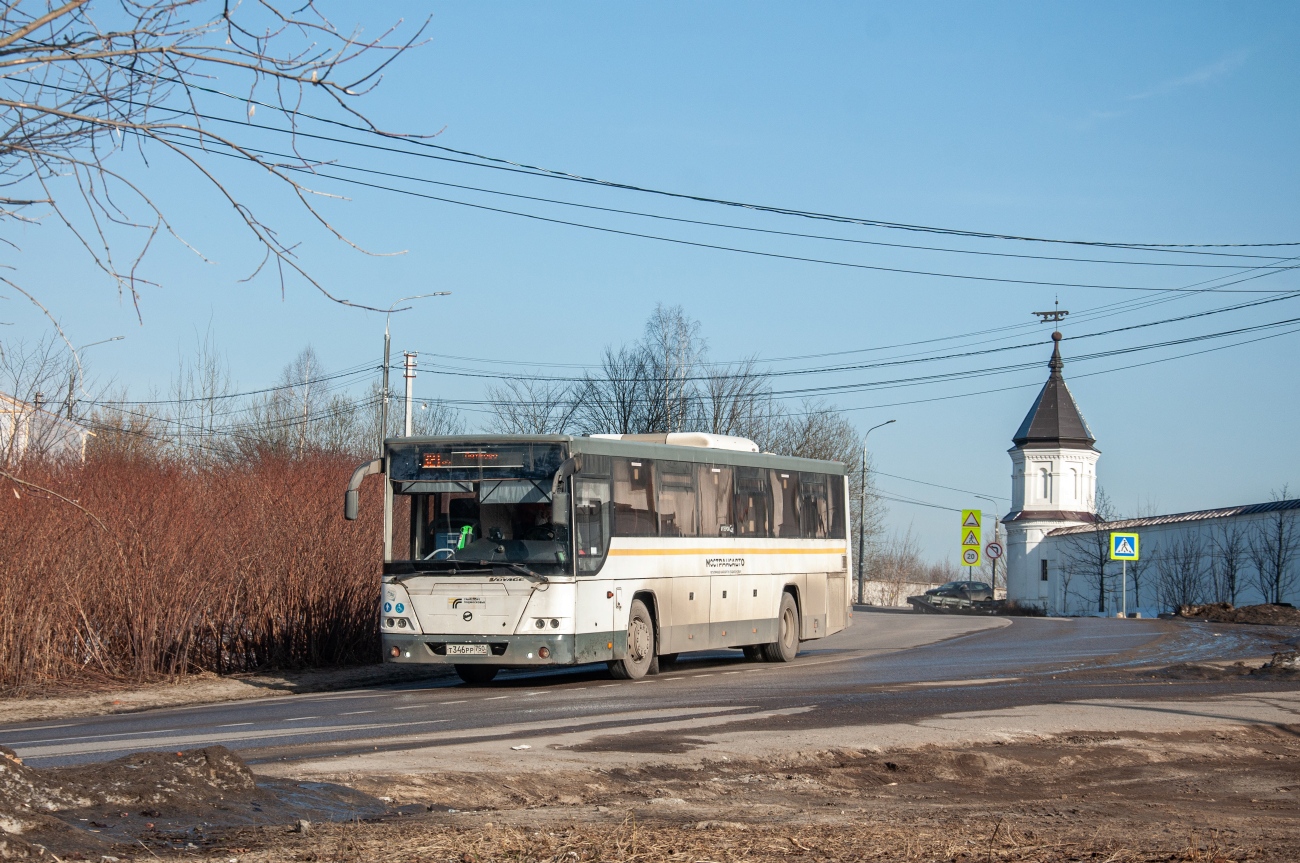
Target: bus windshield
455 525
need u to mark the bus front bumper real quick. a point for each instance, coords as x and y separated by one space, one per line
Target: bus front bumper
505 650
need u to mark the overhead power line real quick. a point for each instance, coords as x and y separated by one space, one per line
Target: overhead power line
480 160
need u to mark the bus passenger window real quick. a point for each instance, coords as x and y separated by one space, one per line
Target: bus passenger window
716 517
675 481
814 517
752 502
785 503
591 523
633 502
836 484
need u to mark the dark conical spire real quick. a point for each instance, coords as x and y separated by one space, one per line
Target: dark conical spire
1054 420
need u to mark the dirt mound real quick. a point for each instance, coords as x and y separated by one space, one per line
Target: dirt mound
1224 612
1283 665
164 799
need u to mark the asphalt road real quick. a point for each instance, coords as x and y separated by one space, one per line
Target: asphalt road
888 667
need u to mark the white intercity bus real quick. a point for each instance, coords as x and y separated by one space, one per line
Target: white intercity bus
542 550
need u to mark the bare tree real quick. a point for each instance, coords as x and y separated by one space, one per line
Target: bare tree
31 376
532 406
673 349
1274 545
1137 573
736 400
896 564
1086 554
1230 551
613 399
201 408
85 83
1180 571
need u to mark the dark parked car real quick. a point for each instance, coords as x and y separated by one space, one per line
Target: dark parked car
975 591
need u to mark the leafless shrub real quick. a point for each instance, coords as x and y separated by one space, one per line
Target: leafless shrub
135 569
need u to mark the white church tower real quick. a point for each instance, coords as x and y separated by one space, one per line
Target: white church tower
1053 484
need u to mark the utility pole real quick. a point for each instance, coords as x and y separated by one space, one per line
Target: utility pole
383 398
76 366
862 516
409 374
385 395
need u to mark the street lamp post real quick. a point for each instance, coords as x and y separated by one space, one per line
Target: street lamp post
862 514
383 401
76 367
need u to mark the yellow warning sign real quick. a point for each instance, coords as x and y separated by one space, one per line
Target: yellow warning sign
970 537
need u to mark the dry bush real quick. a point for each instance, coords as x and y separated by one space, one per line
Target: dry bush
138 569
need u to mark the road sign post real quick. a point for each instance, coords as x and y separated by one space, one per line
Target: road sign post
993 551
970 537
1123 547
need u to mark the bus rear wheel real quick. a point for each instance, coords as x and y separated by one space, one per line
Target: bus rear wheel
786 646
640 655
477 673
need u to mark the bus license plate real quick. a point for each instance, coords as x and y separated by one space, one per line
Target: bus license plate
467 650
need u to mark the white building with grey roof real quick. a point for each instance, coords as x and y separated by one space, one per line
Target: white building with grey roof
1058 547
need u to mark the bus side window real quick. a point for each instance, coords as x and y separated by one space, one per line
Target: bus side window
838 512
814 517
716 518
675 482
785 503
591 523
752 502
633 498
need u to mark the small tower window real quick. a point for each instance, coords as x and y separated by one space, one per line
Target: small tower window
1042 570
1074 484
1044 484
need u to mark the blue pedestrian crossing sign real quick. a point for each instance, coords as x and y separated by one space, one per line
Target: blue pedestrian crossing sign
1123 546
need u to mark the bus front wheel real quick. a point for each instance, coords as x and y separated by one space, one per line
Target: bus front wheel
477 673
640 656
786 647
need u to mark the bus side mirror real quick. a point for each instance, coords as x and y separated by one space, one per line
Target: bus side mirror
560 509
350 498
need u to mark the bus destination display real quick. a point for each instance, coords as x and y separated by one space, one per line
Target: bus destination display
471 458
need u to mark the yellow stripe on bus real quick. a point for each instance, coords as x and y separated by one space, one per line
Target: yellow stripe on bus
716 551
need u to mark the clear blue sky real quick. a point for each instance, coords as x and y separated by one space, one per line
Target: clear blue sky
1162 122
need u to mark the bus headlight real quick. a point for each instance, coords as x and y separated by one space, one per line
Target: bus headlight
389 622
540 623
543 652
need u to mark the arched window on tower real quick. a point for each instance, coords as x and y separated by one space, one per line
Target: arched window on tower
1074 484
1045 484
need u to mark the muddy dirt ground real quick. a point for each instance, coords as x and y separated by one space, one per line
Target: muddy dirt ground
1207 796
